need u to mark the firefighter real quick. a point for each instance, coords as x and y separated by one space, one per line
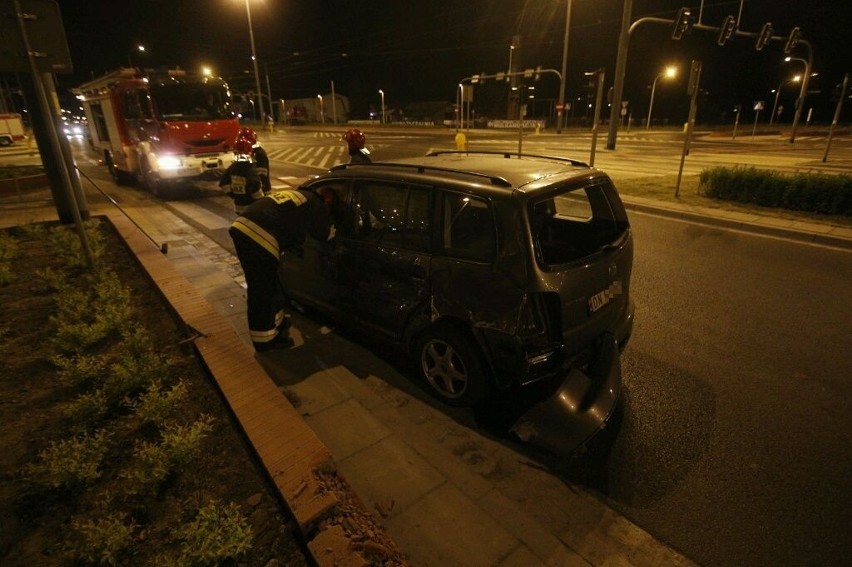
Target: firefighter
260 157
274 224
241 180
356 140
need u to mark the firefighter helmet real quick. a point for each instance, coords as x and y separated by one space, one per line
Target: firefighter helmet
242 147
248 134
355 138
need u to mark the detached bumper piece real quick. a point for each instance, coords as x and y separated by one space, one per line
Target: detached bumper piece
579 408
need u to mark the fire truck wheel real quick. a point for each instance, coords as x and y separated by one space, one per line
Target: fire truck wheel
149 179
120 177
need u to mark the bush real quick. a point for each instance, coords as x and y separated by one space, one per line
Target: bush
101 541
69 462
810 192
217 533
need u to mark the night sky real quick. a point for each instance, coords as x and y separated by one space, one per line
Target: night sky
418 50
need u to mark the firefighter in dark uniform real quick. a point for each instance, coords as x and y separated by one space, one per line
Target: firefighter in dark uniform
241 180
355 139
261 160
276 223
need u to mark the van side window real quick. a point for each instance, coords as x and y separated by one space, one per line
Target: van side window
397 215
468 228
342 215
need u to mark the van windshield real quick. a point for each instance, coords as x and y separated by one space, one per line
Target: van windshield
573 223
191 101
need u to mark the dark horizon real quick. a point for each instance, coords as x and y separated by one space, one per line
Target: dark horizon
419 51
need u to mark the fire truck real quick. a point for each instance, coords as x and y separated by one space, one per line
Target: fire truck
160 128
11 129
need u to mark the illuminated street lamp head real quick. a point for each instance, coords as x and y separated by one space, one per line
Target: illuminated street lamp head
206 71
796 79
671 71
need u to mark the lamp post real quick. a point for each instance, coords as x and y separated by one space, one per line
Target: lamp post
381 92
800 102
795 79
511 80
669 73
254 61
560 119
322 110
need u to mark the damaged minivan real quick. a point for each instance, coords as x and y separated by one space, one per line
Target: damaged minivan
491 270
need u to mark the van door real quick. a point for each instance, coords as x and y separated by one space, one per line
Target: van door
384 268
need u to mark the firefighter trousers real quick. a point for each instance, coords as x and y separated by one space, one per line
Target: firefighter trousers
263 291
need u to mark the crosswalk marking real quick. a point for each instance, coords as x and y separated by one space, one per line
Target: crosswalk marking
319 157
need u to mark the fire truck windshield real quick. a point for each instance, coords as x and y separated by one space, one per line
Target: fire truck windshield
188 101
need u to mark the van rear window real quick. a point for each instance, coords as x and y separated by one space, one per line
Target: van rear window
570 224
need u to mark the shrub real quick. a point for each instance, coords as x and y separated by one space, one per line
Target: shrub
101 541
218 532
68 462
183 442
134 369
811 192
66 242
80 369
86 409
149 468
157 406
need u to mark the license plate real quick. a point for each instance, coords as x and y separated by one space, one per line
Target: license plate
603 297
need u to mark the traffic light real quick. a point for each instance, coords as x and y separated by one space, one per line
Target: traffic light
728 29
792 41
682 23
764 37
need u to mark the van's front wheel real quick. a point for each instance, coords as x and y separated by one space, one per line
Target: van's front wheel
451 366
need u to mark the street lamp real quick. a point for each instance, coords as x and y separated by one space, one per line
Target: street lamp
560 118
795 79
322 110
381 92
140 49
254 61
668 73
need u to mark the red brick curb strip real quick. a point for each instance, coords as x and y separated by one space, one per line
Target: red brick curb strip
297 461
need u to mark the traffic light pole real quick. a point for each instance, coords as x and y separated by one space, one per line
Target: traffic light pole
624 39
843 88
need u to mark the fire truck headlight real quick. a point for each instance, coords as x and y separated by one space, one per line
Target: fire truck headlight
168 162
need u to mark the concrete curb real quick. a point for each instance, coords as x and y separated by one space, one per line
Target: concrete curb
828 236
297 461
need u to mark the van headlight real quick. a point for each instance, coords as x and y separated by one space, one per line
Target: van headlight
168 162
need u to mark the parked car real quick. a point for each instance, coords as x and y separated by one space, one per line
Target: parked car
489 269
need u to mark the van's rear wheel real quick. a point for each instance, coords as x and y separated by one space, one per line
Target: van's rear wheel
451 366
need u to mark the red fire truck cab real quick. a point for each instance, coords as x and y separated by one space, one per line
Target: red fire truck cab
158 129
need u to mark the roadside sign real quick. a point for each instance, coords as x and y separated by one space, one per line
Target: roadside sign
45 34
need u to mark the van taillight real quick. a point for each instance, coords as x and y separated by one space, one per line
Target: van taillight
541 314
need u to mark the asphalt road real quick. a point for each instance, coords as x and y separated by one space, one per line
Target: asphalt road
734 447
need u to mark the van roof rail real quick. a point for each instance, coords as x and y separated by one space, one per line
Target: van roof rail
507 155
493 179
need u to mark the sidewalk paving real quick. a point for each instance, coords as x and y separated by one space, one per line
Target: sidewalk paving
446 493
